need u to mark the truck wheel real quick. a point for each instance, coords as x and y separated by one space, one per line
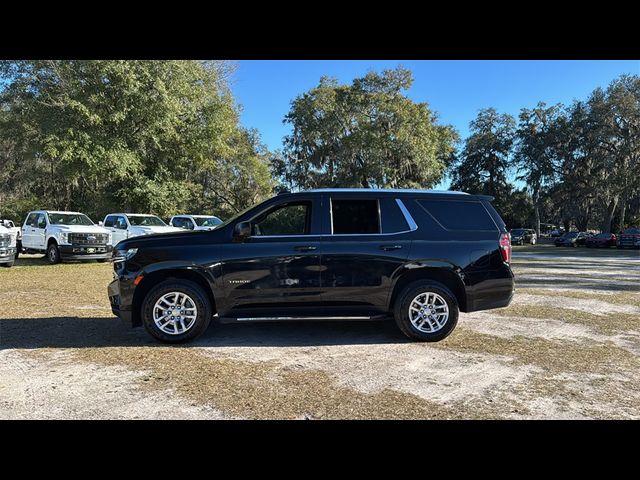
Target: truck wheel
426 311
53 253
18 248
176 311
6 265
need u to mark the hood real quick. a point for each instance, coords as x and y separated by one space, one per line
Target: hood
153 229
80 228
3 229
178 237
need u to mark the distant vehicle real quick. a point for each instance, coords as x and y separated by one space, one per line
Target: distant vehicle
520 236
128 225
7 247
9 225
558 232
629 238
195 222
572 239
602 240
65 236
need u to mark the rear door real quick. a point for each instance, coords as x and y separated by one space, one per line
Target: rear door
366 239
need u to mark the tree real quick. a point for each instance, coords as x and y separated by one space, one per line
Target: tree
110 135
367 134
535 155
485 161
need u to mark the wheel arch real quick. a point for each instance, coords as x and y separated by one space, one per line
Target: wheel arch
445 275
152 279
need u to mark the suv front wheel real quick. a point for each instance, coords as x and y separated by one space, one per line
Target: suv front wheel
176 311
426 311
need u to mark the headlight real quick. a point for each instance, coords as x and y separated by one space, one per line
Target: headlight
124 255
63 237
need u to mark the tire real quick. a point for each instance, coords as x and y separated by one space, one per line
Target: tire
6 265
18 248
197 298
533 241
402 308
53 253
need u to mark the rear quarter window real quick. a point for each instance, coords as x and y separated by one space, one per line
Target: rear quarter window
457 215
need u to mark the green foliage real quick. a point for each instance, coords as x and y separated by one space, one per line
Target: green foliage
110 135
367 134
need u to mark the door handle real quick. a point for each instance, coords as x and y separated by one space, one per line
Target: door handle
386 248
306 248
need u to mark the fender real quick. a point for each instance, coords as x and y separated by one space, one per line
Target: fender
210 275
442 271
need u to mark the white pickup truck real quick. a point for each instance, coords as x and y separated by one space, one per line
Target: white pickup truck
7 247
65 236
127 225
195 222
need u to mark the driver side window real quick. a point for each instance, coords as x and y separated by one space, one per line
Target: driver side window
288 219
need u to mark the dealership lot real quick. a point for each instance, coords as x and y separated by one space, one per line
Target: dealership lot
567 347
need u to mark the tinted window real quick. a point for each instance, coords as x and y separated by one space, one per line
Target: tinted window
355 216
41 222
517 232
459 215
31 219
632 231
69 219
207 221
120 223
145 221
289 219
392 217
108 222
603 235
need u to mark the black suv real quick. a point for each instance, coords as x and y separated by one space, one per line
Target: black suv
337 254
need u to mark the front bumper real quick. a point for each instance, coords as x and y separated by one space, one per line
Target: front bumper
85 252
120 292
7 254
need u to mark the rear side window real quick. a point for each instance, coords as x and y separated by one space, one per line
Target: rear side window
459 215
355 217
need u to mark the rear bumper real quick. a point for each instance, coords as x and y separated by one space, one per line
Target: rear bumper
85 252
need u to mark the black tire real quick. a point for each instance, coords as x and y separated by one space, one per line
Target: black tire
6 265
53 253
401 311
18 248
193 290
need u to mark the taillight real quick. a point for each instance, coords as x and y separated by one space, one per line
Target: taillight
505 247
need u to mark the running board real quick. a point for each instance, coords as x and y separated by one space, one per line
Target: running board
314 318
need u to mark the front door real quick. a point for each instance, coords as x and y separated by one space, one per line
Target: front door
367 243
119 230
39 232
276 271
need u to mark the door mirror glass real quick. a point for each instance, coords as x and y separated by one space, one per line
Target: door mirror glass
241 231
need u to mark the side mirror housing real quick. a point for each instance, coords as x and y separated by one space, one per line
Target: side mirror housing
241 231
100 223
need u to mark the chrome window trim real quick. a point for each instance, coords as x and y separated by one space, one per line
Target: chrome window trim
407 216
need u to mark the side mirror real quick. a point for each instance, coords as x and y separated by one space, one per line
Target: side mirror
100 223
241 231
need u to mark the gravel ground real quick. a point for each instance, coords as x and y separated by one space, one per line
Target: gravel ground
567 347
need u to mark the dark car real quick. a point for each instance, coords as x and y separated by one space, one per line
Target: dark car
520 236
629 238
572 239
601 240
339 254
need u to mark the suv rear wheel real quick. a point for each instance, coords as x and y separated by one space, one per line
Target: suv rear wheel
426 311
176 311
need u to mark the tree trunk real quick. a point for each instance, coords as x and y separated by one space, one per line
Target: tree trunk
611 210
623 210
537 226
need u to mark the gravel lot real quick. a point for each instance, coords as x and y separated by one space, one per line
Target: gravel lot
567 347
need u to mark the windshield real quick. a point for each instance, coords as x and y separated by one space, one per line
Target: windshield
207 221
238 215
517 231
69 219
632 231
145 221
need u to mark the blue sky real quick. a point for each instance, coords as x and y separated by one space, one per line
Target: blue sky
455 89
